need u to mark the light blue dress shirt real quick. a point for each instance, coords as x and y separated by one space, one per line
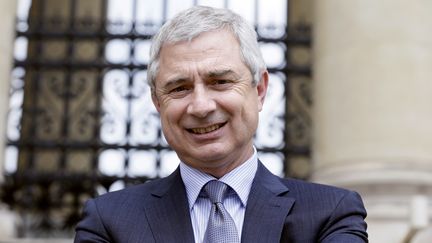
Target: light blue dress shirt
240 180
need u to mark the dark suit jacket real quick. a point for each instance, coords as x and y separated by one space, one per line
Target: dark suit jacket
278 210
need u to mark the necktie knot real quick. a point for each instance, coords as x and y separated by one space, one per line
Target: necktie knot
216 191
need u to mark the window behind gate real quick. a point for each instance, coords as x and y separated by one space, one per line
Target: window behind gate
81 121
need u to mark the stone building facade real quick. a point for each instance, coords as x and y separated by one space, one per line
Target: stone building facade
372 112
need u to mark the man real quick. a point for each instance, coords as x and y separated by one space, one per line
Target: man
208 82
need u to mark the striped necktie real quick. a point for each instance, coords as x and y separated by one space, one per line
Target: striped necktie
221 227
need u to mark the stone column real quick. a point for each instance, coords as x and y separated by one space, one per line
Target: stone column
7 30
373 105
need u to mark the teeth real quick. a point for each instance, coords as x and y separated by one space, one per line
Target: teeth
205 129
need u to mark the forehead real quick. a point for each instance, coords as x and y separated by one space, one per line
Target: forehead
211 37
213 50
221 41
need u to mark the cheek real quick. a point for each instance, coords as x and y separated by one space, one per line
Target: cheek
244 112
242 104
170 115
251 111
170 125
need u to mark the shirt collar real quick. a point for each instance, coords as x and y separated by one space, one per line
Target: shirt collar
240 179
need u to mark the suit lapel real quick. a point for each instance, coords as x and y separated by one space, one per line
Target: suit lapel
167 211
266 209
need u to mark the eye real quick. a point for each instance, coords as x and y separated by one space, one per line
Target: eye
221 82
178 89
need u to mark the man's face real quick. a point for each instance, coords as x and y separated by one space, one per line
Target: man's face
207 102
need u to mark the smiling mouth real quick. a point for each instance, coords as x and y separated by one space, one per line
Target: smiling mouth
203 130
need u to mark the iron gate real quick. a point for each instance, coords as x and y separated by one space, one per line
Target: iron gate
81 122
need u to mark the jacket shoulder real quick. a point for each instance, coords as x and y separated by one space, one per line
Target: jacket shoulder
130 193
311 189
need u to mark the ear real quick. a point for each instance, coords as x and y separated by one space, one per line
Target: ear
262 88
155 100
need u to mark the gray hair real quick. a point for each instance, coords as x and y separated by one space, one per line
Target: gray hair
192 22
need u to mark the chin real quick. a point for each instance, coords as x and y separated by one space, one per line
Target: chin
210 154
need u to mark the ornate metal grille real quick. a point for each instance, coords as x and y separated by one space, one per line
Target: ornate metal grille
81 122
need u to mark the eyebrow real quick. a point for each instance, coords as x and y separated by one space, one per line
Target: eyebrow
175 82
220 73
211 74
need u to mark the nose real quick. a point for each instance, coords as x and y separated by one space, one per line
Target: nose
201 103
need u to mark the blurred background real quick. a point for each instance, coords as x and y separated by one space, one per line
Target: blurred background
349 104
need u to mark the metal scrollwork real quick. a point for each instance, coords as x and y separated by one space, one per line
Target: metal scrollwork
81 119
